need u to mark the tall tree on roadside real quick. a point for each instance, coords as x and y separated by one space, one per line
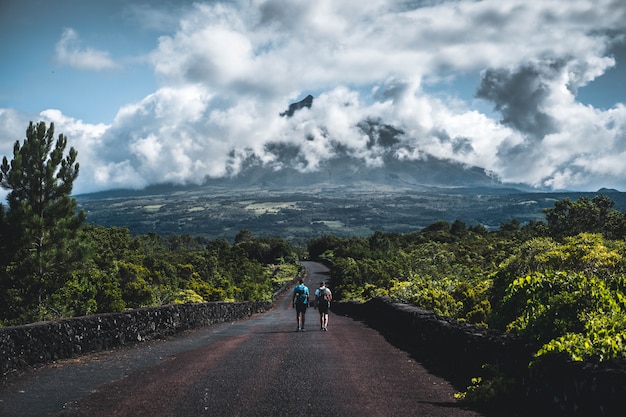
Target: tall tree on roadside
40 224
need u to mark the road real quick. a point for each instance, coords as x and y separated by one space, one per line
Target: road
256 367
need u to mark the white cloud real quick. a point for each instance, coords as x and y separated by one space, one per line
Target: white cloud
253 60
12 128
69 52
83 137
230 68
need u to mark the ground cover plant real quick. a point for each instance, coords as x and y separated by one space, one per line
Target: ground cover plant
560 283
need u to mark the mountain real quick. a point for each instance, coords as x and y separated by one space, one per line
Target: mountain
430 176
293 107
344 198
290 163
343 195
418 175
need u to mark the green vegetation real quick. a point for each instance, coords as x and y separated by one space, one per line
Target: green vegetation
38 232
120 271
559 282
52 265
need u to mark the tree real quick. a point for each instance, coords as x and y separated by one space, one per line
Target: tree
317 247
458 228
41 221
595 215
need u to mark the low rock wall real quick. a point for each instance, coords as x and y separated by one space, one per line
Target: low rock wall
458 351
30 345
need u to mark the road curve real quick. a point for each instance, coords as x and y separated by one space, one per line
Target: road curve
256 367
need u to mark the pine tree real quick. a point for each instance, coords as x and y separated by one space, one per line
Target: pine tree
40 224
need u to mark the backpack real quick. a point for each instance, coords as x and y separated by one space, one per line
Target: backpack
301 295
322 297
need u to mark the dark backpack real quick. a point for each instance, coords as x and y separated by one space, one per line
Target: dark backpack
322 297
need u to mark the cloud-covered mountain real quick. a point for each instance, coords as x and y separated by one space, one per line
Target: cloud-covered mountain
491 84
429 174
288 165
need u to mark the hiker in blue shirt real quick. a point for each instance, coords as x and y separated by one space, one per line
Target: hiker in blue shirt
300 301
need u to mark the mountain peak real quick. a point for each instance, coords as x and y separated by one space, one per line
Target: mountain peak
293 107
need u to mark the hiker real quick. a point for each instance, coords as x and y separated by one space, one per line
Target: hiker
323 295
300 302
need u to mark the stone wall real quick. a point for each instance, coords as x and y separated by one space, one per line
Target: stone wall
26 346
458 351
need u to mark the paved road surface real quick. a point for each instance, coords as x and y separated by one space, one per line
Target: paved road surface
257 367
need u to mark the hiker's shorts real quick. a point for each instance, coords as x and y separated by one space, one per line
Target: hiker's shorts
323 308
301 308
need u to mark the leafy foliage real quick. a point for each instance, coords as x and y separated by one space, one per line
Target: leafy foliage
441 268
597 215
52 265
561 284
121 271
570 296
486 390
40 226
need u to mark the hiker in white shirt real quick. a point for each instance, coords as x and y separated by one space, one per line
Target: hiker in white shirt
323 295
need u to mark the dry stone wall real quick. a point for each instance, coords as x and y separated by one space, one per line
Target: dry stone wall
26 346
459 351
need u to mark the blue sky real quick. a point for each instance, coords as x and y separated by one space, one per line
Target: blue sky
176 91
37 77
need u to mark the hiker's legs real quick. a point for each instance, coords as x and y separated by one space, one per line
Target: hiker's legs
323 317
301 310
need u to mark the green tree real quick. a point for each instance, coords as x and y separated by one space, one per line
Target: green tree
458 228
597 215
40 224
327 243
135 283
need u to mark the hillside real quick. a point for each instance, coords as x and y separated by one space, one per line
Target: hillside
342 199
344 195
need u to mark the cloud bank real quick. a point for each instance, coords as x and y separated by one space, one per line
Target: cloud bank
231 68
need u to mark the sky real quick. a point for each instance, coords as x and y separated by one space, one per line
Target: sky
148 92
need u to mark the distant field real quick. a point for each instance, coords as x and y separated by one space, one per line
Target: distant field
299 215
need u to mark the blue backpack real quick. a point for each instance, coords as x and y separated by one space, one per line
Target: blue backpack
302 297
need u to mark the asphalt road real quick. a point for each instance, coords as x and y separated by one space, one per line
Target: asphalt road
257 367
